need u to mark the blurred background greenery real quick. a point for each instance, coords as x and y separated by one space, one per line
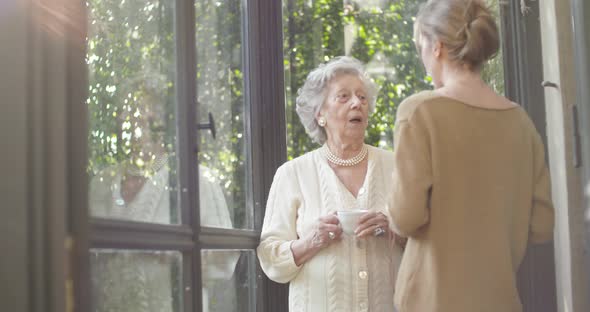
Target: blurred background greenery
131 52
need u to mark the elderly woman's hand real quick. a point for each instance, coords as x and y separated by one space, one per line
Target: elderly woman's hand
325 231
373 223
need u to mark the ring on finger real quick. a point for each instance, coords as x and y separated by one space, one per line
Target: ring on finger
331 235
378 231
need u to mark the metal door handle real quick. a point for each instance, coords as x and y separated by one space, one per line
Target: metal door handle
549 84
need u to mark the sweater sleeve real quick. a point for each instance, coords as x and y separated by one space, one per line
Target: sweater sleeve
279 228
412 177
542 214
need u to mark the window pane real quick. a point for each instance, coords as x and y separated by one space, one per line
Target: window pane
229 280
132 138
220 91
136 281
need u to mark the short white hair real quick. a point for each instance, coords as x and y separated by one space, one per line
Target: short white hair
311 96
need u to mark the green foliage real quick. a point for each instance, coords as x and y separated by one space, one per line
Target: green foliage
131 58
220 91
380 35
493 72
130 61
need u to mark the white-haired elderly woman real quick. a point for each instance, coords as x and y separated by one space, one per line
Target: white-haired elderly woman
302 242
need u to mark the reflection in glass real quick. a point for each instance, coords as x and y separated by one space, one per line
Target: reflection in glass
214 209
220 91
131 110
229 280
136 281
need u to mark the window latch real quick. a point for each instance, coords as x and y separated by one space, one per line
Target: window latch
210 126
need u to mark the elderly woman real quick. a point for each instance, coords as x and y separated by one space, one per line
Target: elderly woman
471 188
302 241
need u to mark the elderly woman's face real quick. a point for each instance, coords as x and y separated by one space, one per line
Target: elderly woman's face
346 108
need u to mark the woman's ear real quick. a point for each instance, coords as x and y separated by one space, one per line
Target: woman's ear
320 113
437 49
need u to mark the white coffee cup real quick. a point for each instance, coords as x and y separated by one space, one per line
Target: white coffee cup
349 219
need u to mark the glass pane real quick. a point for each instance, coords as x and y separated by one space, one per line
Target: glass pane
229 280
132 138
220 91
377 32
493 71
136 281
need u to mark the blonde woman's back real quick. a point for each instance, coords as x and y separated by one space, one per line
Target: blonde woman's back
475 188
475 92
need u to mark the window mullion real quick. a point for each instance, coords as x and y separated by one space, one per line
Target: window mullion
136 235
269 144
187 149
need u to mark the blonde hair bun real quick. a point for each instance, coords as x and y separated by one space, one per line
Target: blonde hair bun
467 28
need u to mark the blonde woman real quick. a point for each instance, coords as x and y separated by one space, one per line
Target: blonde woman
471 188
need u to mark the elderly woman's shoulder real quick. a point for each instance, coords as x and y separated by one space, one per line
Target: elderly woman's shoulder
296 163
408 106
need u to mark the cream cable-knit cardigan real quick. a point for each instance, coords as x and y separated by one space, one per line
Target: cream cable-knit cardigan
350 275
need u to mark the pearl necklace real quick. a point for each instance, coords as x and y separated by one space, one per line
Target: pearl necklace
345 162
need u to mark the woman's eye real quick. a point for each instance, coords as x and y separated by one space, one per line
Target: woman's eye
342 96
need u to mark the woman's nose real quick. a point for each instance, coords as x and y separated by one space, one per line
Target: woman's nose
355 102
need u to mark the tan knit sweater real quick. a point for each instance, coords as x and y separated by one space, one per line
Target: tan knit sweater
470 190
